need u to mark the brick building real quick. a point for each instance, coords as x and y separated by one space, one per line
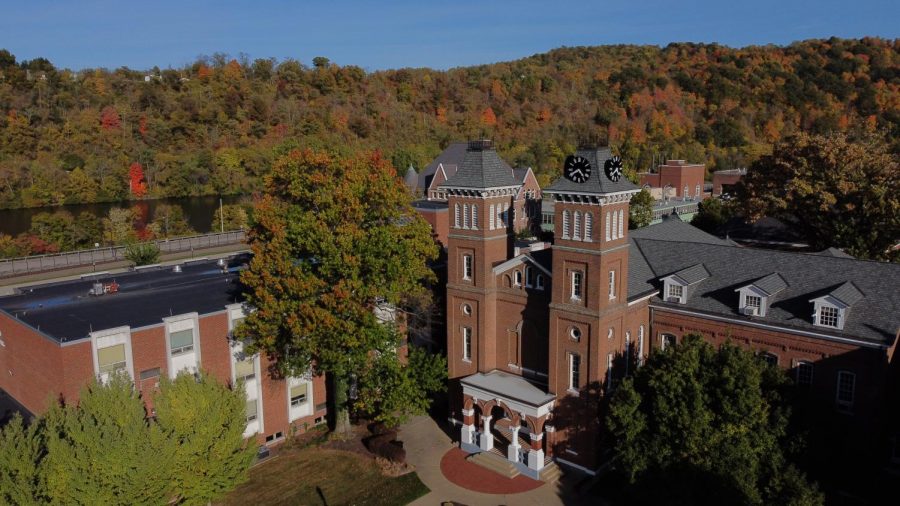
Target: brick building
525 207
536 336
724 180
55 338
677 179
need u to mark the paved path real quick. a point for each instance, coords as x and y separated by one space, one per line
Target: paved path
426 444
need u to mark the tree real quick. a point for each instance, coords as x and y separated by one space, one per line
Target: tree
142 253
136 180
836 190
118 226
334 238
104 450
394 391
204 422
640 212
54 228
235 218
706 426
169 221
21 448
712 214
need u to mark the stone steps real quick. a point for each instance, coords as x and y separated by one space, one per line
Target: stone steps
495 463
551 473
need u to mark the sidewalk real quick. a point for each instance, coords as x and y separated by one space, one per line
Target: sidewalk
426 444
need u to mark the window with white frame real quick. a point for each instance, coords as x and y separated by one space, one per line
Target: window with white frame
612 284
640 350
456 215
111 359
518 277
615 228
244 370
627 349
467 343
675 291
606 226
299 394
492 217
506 214
828 316
576 224
474 217
697 191
251 410
529 276
846 386
588 227
577 285
804 373
181 341
574 371
609 370
540 282
666 341
685 194
465 223
467 266
769 358
565 227
753 302
621 223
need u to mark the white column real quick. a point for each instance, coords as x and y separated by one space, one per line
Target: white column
487 439
467 431
512 451
536 454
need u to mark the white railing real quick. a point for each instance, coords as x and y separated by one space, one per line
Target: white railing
55 261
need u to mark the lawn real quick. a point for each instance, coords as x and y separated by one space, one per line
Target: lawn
316 476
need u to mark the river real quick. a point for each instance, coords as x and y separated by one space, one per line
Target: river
198 210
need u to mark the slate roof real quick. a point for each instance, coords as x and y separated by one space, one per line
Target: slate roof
833 252
771 284
481 167
871 285
693 274
520 173
598 183
452 155
65 312
411 178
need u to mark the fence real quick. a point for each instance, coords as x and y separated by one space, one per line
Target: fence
40 263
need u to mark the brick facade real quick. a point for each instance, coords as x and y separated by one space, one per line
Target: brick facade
678 175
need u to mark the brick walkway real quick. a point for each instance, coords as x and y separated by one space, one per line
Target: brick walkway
471 476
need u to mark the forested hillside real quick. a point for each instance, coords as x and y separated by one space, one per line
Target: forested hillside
98 135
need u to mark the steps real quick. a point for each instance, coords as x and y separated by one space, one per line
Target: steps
551 473
495 463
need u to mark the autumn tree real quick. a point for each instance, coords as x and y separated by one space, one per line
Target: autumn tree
701 425
336 245
230 217
835 190
169 220
136 180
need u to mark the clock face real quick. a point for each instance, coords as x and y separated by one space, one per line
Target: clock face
613 168
577 169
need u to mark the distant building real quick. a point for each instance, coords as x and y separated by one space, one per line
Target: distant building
676 179
724 180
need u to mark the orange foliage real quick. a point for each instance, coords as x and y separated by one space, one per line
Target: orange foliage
544 114
142 126
109 118
136 180
204 72
441 114
488 117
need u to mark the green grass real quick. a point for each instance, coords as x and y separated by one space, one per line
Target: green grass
306 476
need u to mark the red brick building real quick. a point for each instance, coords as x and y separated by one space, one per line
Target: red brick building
724 180
537 336
525 207
55 338
678 179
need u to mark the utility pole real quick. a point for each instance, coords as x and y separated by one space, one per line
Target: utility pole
221 216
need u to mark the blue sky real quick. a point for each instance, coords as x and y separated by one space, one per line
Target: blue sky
393 34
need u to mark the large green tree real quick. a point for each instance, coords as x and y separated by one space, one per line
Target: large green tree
640 211
204 422
21 448
836 190
336 246
700 425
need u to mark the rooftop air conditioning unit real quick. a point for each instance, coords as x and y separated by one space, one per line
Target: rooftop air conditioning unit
673 299
751 311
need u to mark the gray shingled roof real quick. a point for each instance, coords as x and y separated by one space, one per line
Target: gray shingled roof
693 274
482 168
873 318
833 252
847 293
452 155
520 173
411 179
598 183
771 284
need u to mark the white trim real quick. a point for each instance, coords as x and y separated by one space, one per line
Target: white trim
112 337
178 323
516 261
773 327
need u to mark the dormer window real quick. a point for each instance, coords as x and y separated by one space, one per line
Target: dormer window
755 299
675 292
829 316
831 309
677 286
753 302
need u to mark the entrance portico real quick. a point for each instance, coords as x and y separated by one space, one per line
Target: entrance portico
505 404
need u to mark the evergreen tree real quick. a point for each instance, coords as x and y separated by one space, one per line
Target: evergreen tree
21 448
335 238
204 423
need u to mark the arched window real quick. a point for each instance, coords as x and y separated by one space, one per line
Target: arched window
697 191
640 350
492 217
577 226
540 281
588 227
518 278
474 216
465 215
627 350
467 266
529 276
685 192
621 223
456 215
606 226
615 230
565 227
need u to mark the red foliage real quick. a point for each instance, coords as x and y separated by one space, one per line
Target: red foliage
109 118
136 176
142 126
36 246
204 72
488 117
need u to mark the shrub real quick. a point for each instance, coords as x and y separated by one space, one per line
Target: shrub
142 253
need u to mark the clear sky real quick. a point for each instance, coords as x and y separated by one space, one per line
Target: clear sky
390 34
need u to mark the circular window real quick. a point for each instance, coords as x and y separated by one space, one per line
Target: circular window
466 309
575 333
